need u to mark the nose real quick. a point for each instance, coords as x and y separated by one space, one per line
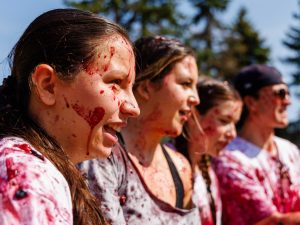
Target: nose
231 132
287 99
130 106
194 99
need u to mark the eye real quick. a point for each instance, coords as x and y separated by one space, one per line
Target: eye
117 81
187 84
224 121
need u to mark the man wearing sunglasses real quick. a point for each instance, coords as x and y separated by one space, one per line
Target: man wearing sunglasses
259 173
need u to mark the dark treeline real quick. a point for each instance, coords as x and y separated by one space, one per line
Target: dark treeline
222 49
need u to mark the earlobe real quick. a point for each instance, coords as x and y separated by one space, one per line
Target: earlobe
44 80
144 89
250 103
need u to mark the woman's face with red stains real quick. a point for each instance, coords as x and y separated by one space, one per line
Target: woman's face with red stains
219 125
171 103
270 108
93 107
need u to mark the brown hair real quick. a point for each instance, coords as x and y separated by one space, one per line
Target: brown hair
211 93
65 39
156 56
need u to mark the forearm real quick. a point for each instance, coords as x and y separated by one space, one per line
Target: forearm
281 219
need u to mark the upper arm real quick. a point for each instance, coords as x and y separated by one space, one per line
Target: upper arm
32 191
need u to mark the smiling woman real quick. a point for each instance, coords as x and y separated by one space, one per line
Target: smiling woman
69 92
145 182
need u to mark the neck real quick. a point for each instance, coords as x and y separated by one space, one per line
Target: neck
259 135
141 143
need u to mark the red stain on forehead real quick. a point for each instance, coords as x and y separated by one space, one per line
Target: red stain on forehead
112 51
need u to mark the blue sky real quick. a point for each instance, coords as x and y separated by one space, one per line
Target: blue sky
271 18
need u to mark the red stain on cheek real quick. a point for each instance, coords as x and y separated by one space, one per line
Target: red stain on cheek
96 116
91 117
101 92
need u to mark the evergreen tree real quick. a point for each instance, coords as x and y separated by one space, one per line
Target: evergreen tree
292 42
206 26
242 46
138 17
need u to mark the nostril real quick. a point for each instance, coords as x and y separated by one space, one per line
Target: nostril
130 109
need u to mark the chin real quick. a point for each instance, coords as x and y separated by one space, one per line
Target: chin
174 132
101 152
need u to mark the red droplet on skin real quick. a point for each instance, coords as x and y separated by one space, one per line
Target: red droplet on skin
101 91
113 88
112 51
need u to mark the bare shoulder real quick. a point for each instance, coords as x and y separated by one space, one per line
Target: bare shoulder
182 164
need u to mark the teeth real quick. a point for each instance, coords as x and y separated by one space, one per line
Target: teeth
116 128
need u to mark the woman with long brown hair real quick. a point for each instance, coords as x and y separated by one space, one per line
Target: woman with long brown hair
207 133
69 91
144 181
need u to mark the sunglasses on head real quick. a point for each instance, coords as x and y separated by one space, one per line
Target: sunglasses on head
281 93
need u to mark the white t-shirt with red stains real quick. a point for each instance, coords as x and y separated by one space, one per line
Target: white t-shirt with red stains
201 198
249 178
32 190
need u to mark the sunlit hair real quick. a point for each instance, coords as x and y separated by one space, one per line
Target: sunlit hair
211 92
156 56
65 39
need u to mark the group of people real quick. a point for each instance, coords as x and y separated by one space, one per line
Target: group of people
95 129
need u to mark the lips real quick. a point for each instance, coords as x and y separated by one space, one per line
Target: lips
185 114
110 135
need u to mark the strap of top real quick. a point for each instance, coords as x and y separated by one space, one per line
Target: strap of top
176 178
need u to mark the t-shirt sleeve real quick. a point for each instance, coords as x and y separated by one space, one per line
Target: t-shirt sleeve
32 191
106 178
243 197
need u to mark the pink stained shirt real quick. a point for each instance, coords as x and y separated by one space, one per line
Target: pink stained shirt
32 190
249 178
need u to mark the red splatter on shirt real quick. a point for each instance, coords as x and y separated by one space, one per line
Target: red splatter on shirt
251 188
32 190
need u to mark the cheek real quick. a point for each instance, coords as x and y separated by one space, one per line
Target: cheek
209 127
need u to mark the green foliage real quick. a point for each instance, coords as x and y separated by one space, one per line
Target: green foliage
292 42
241 46
139 17
205 25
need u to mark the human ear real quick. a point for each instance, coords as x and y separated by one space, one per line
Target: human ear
44 80
250 103
144 89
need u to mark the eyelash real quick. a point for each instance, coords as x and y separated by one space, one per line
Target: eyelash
117 81
186 84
